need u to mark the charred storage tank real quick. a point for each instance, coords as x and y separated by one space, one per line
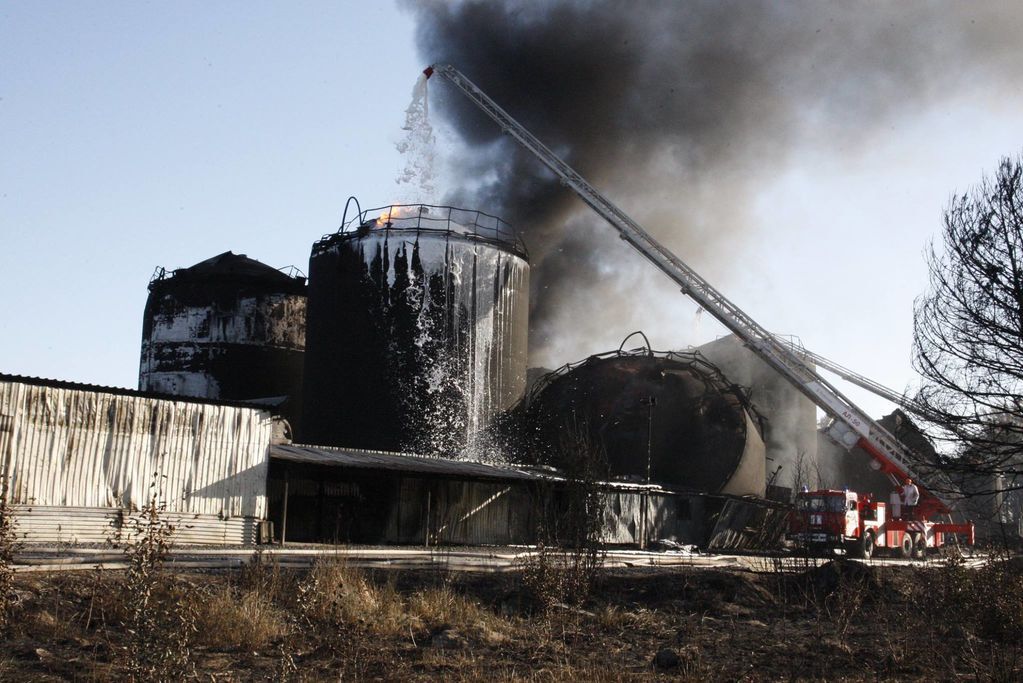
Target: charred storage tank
674 410
417 329
227 328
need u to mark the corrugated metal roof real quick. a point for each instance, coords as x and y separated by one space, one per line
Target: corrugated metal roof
382 460
259 403
423 464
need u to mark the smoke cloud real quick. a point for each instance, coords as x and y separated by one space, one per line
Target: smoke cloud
680 111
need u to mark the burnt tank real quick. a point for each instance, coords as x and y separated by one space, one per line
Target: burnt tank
665 418
228 328
417 329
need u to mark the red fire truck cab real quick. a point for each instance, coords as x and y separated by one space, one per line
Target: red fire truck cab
829 518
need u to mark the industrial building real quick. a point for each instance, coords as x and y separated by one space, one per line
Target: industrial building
330 495
384 401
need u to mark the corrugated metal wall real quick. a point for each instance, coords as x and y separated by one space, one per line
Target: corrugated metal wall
482 513
673 517
73 525
747 524
72 448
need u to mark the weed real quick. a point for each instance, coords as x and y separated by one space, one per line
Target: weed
845 604
569 554
159 615
285 667
615 619
266 594
8 547
441 606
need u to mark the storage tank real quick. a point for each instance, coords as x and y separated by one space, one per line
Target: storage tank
417 329
228 328
674 410
790 418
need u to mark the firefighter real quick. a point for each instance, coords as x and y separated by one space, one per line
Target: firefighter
910 498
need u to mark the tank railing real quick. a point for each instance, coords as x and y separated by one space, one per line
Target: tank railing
517 247
293 272
159 274
447 219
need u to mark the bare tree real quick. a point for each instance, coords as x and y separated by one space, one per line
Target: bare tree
968 342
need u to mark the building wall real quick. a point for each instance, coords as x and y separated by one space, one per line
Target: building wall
337 505
66 451
671 517
72 525
353 505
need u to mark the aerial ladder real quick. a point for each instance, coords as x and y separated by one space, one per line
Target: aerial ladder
849 426
852 377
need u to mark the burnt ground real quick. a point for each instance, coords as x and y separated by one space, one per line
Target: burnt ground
841 621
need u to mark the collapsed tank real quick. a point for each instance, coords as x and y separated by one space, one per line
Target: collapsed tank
417 329
663 418
229 327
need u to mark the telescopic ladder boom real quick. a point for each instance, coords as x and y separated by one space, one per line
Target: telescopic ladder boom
849 426
855 378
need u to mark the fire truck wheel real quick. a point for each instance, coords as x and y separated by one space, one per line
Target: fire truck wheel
919 546
906 549
865 546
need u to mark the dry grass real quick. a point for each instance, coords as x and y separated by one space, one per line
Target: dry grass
341 596
440 605
336 620
230 619
615 618
336 594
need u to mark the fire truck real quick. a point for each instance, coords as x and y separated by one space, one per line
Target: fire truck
830 519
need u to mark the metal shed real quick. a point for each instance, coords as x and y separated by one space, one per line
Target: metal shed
337 495
79 459
357 496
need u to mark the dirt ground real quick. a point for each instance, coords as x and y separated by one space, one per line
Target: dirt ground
841 621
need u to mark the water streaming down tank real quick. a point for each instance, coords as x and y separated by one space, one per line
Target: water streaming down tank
697 429
417 330
230 328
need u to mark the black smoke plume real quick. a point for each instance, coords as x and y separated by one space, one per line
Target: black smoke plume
680 111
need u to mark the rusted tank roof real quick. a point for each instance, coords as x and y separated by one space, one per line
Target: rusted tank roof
233 267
